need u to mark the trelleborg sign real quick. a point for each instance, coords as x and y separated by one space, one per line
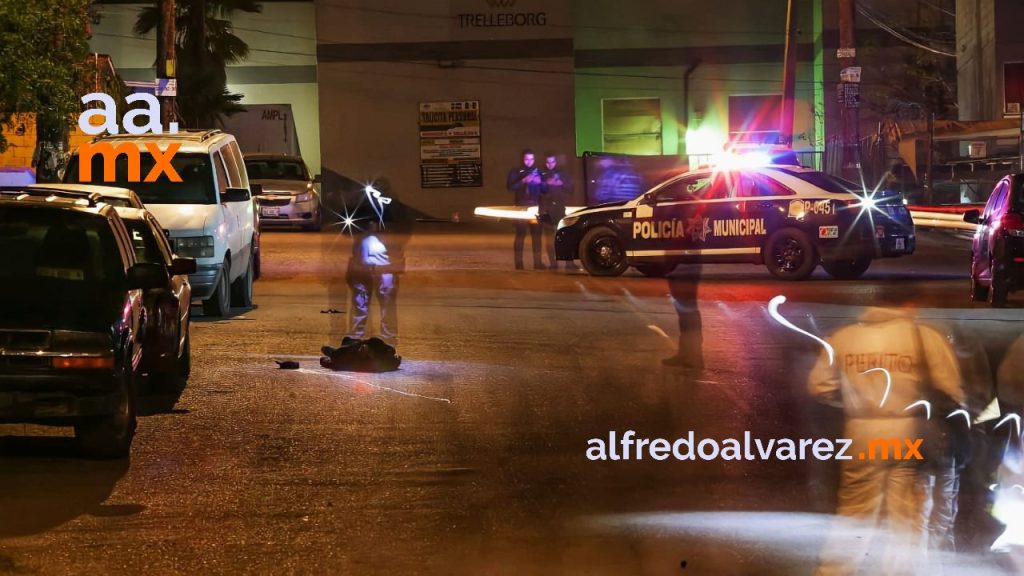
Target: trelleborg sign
504 18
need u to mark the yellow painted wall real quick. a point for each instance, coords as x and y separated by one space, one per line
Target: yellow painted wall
19 146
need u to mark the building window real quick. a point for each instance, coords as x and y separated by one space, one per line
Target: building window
632 126
1013 87
755 118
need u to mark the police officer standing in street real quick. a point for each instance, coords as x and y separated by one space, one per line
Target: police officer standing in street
557 186
525 183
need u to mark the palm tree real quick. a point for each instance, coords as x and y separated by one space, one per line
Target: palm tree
205 45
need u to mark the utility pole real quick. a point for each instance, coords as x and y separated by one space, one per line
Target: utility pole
789 79
849 91
165 63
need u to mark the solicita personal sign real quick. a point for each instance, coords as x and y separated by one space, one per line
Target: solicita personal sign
450 154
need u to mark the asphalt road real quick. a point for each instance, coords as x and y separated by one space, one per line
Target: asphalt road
472 458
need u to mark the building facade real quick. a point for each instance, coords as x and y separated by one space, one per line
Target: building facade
440 98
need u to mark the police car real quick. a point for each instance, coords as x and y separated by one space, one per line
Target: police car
788 218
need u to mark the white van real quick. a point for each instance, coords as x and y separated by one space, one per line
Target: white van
209 214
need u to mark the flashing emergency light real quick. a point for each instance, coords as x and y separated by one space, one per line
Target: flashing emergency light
704 141
734 161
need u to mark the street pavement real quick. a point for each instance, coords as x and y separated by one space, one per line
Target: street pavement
471 459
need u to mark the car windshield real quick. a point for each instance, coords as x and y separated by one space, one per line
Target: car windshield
146 249
196 186
826 182
117 201
56 253
264 169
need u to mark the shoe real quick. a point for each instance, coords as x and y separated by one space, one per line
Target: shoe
519 266
328 350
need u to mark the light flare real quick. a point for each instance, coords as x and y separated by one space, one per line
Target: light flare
773 310
1015 418
927 408
961 412
888 383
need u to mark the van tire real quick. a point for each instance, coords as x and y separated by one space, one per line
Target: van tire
241 288
219 303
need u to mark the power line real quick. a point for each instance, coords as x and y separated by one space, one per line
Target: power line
865 11
251 49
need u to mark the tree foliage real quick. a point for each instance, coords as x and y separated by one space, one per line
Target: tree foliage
919 84
43 47
204 47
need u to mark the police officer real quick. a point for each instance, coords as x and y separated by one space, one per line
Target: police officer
557 186
525 183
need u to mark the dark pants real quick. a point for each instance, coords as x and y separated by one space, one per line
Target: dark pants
683 286
517 246
548 232
363 288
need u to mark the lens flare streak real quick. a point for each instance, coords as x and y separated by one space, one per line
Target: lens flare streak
773 309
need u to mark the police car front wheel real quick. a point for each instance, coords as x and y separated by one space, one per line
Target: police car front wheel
602 254
789 254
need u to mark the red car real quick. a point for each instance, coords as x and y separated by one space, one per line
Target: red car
166 358
997 251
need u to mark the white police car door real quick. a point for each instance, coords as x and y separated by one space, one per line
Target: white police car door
673 224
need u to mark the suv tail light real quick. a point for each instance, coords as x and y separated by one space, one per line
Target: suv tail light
1012 224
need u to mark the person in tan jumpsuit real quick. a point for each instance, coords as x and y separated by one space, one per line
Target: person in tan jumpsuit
885 344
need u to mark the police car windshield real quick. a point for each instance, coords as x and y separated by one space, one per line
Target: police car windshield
824 181
196 186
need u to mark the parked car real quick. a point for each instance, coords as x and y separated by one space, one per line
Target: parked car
210 214
109 194
289 195
997 250
166 357
74 322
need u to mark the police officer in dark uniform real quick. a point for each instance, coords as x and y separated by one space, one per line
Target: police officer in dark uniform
525 183
557 186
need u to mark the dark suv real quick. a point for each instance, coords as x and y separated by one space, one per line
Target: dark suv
997 251
73 324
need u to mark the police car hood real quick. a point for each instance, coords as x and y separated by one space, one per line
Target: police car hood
601 207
